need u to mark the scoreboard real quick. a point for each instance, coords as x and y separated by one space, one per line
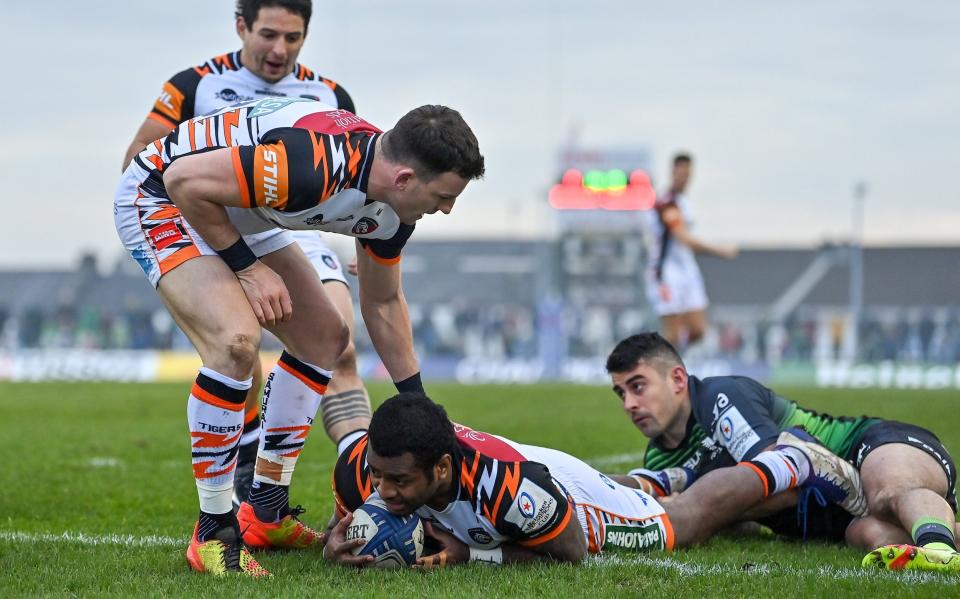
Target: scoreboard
612 190
598 201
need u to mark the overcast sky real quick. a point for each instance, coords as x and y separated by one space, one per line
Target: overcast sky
784 106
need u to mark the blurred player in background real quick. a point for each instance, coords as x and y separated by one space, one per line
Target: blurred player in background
272 33
695 425
489 499
674 284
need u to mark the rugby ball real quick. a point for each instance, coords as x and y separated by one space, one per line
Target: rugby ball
393 541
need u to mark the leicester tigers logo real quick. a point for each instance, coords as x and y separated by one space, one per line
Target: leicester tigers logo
365 226
480 536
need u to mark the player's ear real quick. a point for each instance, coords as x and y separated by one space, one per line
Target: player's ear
444 466
241 26
678 379
402 177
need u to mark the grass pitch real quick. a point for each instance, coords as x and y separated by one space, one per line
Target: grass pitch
97 499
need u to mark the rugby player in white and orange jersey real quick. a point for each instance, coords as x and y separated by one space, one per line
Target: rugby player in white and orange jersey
205 212
674 284
489 499
272 34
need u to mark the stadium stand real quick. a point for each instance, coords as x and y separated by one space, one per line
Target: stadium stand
495 300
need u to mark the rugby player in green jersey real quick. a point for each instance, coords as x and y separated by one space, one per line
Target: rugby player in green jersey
695 425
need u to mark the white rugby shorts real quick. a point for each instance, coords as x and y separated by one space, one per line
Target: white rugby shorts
160 239
686 291
323 259
613 517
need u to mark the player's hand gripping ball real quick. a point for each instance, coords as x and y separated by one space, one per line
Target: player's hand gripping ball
393 541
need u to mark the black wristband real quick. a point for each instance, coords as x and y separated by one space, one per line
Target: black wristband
411 384
238 256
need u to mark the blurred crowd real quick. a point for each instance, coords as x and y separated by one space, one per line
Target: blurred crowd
90 327
550 329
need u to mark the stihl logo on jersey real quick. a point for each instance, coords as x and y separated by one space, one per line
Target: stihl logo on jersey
270 176
166 100
170 102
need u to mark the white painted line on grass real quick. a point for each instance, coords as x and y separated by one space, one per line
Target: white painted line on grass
693 569
664 563
80 538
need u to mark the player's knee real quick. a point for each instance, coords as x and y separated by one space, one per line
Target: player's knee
870 533
175 178
883 500
321 342
242 351
347 362
331 340
861 534
340 336
694 335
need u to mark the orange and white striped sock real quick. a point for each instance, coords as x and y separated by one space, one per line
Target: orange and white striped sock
251 425
291 398
780 469
215 418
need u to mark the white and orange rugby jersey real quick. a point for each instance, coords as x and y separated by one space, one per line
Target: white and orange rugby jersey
223 81
300 165
664 252
513 493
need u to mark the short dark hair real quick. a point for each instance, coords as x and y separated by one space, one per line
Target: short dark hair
434 140
648 347
412 423
682 158
250 9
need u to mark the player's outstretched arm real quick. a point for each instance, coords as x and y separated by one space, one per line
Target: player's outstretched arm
569 545
673 219
149 131
682 234
385 313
